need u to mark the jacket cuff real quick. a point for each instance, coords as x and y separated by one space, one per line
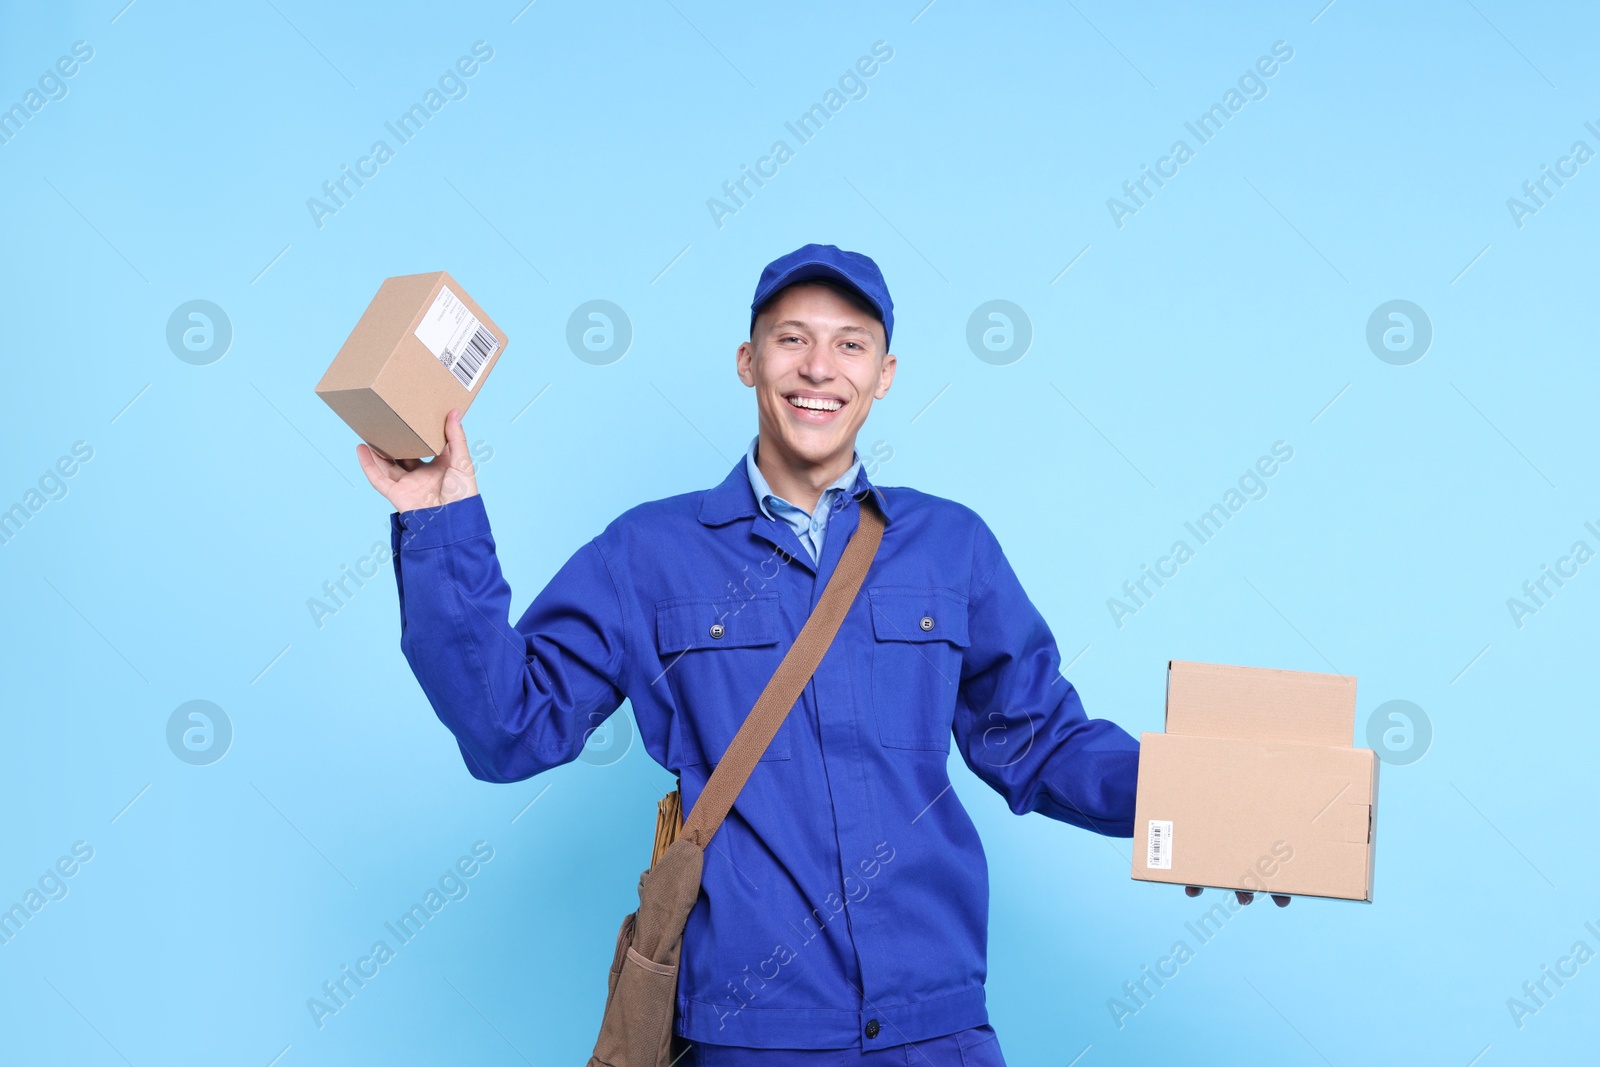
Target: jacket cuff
443 525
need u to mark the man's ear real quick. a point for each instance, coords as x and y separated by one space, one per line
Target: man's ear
885 375
744 363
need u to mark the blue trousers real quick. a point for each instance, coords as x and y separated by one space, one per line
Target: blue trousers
974 1047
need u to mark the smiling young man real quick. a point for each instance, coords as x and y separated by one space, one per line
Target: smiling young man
843 912
817 358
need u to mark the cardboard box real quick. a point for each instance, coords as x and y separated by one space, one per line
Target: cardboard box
422 347
1255 785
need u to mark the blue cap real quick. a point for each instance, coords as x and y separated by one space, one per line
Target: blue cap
828 261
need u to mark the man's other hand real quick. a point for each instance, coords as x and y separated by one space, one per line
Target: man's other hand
409 484
1244 895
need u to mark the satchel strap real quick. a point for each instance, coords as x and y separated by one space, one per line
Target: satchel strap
784 687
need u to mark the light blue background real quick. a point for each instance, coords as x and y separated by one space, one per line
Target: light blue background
1227 314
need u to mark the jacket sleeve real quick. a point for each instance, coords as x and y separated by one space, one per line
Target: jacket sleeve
1020 725
519 699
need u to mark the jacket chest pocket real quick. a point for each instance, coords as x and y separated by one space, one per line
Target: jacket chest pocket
716 657
919 634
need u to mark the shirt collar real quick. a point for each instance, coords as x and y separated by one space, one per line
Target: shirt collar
758 482
735 496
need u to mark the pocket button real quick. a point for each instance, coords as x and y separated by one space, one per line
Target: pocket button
916 663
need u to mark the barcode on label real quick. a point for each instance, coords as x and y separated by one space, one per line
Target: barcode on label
467 363
1158 851
456 338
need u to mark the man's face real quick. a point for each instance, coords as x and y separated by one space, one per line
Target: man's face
812 347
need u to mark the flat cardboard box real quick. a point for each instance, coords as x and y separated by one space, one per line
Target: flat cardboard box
422 347
1255 785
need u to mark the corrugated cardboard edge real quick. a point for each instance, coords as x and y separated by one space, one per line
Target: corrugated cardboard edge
1372 832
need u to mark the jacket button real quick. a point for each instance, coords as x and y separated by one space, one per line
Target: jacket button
716 629
872 1028
927 622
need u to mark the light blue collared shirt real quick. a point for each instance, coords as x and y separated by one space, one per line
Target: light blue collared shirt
810 529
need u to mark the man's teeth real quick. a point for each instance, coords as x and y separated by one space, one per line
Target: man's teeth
816 403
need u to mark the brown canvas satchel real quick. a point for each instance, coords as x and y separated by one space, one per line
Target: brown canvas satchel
636 1029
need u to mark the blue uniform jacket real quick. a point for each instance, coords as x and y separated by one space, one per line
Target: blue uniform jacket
845 900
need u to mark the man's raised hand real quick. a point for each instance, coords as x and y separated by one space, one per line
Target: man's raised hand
409 484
